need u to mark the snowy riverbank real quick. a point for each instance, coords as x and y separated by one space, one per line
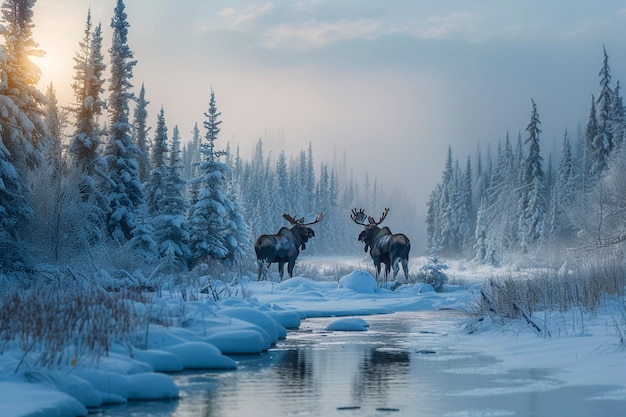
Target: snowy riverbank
208 332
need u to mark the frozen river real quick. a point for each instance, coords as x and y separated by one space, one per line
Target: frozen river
406 364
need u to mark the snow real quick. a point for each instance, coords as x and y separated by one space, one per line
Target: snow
208 331
353 324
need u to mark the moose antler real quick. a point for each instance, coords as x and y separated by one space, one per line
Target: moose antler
292 220
300 221
376 223
359 217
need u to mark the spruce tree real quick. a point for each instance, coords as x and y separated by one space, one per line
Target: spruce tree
141 129
84 150
154 187
22 128
171 227
208 219
124 191
533 206
565 189
618 118
603 140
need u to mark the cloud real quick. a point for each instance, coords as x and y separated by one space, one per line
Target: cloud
313 35
456 23
241 20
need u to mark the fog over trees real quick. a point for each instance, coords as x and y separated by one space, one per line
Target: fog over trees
514 202
104 181
96 181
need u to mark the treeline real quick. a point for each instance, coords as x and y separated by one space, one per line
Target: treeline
515 202
77 189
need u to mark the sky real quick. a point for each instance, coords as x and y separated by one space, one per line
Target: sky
387 86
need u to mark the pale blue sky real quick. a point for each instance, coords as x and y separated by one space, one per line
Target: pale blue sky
390 83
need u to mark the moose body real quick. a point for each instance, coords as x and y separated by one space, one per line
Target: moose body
386 248
283 247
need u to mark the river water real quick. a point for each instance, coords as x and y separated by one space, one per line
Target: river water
406 364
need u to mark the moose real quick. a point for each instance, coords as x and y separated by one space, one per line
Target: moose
284 246
385 247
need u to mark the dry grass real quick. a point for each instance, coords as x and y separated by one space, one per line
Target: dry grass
58 326
582 289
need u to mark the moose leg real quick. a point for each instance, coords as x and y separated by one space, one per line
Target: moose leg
290 267
405 268
281 269
396 268
262 269
387 269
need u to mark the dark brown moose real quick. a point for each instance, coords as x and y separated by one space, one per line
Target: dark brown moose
385 247
284 246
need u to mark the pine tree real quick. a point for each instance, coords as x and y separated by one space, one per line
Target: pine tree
141 130
124 193
618 118
22 127
309 182
532 201
603 140
84 149
53 196
565 189
208 220
170 225
154 188
280 187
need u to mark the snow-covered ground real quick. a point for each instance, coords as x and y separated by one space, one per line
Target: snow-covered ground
588 353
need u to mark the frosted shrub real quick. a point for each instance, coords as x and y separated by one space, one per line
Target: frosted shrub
57 326
580 291
433 275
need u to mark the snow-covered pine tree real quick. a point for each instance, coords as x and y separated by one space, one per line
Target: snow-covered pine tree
446 218
280 187
592 171
124 192
603 140
141 129
154 188
191 154
84 150
208 222
565 189
309 182
22 127
55 201
237 232
532 202
618 118
480 234
468 207
170 225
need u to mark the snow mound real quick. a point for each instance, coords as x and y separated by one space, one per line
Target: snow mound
26 399
359 281
259 318
160 360
201 355
152 386
351 324
238 342
288 319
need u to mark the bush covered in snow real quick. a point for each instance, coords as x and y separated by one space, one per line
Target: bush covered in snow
432 274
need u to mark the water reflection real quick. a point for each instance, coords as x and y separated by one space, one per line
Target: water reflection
379 373
404 365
